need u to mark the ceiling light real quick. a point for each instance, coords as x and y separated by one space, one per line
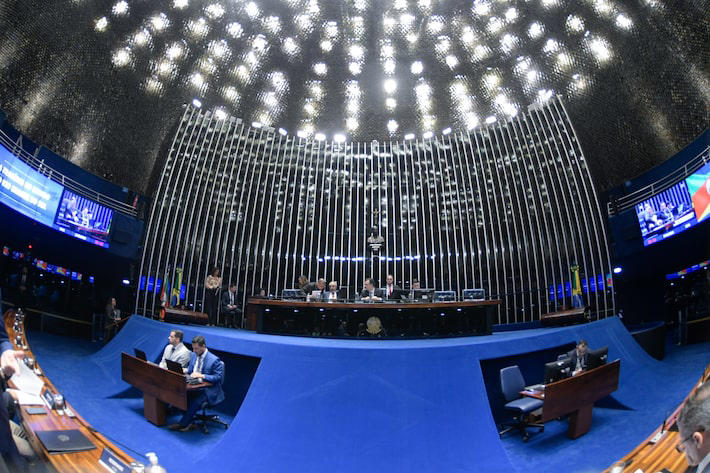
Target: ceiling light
319 137
390 103
320 69
409 136
252 10
180 4
120 8
101 24
490 119
427 135
256 124
339 138
326 45
354 68
446 130
196 103
623 21
392 126
417 67
220 114
282 132
390 85
235 30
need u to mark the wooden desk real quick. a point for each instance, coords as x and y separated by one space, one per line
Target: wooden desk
576 396
446 318
563 317
160 387
79 462
658 451
183 316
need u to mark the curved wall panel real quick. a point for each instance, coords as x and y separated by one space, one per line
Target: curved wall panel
507 207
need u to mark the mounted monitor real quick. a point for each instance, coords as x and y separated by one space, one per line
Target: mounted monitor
84 219
698 185
444 296
557 370
672 211
27 191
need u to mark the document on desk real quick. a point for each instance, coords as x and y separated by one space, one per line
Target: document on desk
26 399
27 381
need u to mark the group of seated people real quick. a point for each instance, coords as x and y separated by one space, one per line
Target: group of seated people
199 365
320 290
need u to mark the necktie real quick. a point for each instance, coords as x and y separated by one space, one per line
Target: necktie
199 365
390 291
231 298
172 351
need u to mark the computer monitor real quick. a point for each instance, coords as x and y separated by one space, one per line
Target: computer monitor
557 370
423 294
444 296
174 366
140 354
474 294
292 294
596 358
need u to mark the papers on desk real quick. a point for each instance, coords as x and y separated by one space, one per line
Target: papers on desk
27 381
26 399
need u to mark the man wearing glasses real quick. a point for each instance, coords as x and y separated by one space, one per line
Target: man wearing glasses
694 429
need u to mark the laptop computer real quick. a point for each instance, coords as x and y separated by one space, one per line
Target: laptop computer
174 366
64 441
140 354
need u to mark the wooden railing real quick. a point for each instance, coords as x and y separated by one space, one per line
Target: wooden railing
79 462
658 450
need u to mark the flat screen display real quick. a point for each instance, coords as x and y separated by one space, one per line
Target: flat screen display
26 190
698 185
666 214
84 219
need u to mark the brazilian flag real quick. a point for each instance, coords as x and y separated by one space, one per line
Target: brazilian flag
576 285
175 293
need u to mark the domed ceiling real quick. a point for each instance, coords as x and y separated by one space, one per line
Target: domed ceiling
102 83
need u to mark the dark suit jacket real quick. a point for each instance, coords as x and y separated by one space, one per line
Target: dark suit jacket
225 301
213 369
308 288
378 293
573 356
395 288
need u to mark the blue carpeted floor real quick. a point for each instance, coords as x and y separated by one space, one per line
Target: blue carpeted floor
355 405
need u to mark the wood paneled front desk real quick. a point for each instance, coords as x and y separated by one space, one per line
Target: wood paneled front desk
576 396
160 387
399 319
77 462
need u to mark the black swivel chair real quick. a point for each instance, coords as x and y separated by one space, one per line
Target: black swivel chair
511 383
203 417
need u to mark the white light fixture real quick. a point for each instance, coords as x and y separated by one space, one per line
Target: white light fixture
256 124
392 126
196 103
446 130
409 136
319 137
427 135
617 270
339 138
390 85
101 24
490 119
417 67
282 132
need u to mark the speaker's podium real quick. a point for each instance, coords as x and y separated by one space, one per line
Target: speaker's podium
160 387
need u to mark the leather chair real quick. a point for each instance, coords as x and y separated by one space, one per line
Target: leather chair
511 383
204 417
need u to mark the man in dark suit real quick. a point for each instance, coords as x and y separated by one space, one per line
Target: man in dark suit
579 357
694 429
369 293
205 367
8 367
392 291
230 309
332 294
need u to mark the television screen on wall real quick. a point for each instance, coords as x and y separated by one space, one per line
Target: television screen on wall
84 219
698 185
27 191
666 214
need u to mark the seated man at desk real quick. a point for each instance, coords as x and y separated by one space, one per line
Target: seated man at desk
8 367
175 350
332 293
579 357
392 291
694 429
230 309
204 367
369 293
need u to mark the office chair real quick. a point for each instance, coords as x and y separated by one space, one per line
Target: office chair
511 383
203 417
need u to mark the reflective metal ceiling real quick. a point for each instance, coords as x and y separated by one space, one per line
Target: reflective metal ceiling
102 83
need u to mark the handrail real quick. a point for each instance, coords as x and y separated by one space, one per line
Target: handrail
615 206
39 165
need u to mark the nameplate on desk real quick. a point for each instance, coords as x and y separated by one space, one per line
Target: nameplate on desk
112 463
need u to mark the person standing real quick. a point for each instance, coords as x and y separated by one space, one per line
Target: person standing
112 317
212 285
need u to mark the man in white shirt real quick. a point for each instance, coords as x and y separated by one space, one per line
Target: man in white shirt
175 350
694 429
392 291
332 293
